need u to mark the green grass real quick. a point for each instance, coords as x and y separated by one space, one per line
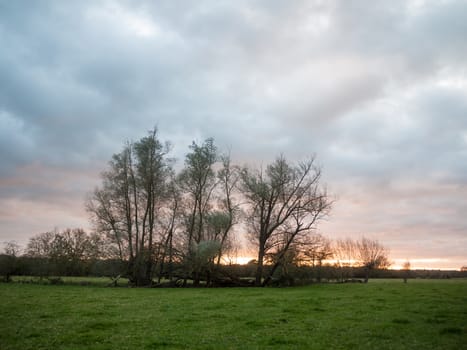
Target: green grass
380 315
82 281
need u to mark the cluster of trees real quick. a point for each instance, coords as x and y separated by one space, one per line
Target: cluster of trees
367 253
162 223
67 252
8 260
154 218
73 252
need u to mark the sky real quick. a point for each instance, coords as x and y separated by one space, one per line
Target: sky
377 90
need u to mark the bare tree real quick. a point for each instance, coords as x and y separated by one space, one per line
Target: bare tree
229 210
8 259
284 202
317 248
40 248
40 245
11 248
150 180
197 181
371 255
345 252
170 221
73 250
366 253
406 268
127 205
70 251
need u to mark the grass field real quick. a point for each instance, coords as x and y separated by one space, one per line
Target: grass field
422 314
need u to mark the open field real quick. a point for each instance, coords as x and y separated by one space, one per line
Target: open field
423 314
79 281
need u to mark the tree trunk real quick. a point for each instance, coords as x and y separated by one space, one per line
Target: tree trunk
318 277
268 279
196 279
367 275
259 268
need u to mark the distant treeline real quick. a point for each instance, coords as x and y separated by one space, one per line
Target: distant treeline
235 274
73 252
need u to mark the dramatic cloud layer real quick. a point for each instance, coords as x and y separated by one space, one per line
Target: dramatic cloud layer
377 89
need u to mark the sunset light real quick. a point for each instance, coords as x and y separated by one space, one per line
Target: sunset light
243 260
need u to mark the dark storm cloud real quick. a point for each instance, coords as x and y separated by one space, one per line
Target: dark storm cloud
377 89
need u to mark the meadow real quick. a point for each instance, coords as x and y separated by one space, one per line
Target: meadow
383 314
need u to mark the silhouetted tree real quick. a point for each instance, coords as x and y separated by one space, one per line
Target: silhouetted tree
127 205
228 213
69 252
345 255
371 255
316 249
171 220
197 181
406 268
9 259
39 248
284 202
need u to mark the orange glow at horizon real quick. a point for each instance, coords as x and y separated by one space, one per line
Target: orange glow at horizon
416 264
242 260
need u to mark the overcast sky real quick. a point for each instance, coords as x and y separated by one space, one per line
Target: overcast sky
376 89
